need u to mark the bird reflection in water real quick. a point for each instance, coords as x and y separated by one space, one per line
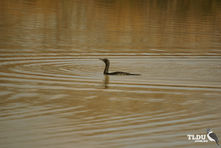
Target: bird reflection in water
106 81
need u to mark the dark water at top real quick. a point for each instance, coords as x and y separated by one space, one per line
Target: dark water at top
143 26
53 92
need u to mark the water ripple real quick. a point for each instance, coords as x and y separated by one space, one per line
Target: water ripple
64 98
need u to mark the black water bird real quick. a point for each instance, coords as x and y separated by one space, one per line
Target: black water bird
106 69
212 136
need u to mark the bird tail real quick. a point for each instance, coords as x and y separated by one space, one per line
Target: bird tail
134 74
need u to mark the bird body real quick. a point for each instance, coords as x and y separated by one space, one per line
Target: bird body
121 73
212 136
106 69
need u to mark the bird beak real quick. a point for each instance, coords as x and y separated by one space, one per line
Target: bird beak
100 59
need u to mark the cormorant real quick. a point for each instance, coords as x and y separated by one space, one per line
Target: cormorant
107 65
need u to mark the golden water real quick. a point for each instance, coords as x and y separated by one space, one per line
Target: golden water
53 91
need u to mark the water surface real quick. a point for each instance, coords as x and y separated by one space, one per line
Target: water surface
53 91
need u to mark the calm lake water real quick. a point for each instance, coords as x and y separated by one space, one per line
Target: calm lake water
53 91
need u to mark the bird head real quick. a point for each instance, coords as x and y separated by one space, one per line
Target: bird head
105 60
208 130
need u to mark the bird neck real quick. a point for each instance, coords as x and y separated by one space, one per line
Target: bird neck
106 68
210 132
